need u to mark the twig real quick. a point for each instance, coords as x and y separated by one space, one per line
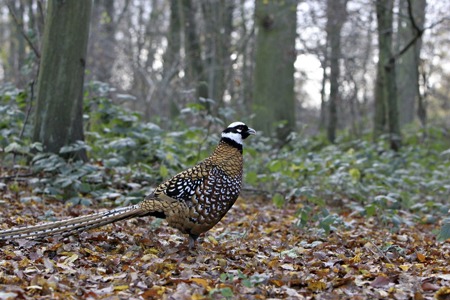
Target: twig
265 192
30 106
18 177
379 252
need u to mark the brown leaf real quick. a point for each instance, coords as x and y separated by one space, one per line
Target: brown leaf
420 257
428 286
154 293
380 281
316 285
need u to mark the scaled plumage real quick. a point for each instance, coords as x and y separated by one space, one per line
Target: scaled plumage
192 201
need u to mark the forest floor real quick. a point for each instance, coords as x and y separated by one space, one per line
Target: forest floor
256 252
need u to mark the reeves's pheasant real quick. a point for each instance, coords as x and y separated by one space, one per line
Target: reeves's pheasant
192 201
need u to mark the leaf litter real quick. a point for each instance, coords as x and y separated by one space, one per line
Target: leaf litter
255 252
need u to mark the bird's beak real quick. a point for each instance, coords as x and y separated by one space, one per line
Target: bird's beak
251 131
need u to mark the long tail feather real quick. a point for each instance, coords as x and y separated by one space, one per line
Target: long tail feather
75 224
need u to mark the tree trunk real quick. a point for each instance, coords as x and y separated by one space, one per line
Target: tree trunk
323 97
336 16
386 79
194 70
59 108
274 98
103 29
171 58
218 26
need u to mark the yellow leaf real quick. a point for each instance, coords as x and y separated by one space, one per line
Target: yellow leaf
24 262
273 263
389 266
213 240
9 254
316 285
356 258
148 257
71 259
87 250
121 287
152 250
20 220
198 297
200 281
443 293
404 267
222 262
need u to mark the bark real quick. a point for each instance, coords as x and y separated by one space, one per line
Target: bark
171 58
336 16
58 120
274 98
194 70
218 26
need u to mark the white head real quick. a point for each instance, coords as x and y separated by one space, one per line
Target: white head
237 132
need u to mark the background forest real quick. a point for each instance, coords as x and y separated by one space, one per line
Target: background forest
102 100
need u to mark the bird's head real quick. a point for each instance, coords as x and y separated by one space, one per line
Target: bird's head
237 132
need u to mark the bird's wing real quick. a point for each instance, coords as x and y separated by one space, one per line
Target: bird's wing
184 185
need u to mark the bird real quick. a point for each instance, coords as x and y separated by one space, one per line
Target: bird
193 201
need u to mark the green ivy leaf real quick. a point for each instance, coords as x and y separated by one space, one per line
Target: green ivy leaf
370 210
227 292
251 178
163 171
278 200
444 233
13 147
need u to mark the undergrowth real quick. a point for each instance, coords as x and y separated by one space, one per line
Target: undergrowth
129 156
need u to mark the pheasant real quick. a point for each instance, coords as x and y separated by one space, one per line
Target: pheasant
192 201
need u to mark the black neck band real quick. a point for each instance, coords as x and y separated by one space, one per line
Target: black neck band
232 143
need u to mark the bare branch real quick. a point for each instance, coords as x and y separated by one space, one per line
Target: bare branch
419 31
22 31
412 19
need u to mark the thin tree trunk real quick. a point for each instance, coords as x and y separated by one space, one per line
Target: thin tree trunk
386 67
336 13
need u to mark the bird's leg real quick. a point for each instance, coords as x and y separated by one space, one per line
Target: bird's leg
192 239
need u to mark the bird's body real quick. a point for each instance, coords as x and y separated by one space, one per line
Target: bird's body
192 201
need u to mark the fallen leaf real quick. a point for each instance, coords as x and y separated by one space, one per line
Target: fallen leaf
289 267
420 257
316 285
380 281
443 276
200 281
404 267
443 294
428 286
